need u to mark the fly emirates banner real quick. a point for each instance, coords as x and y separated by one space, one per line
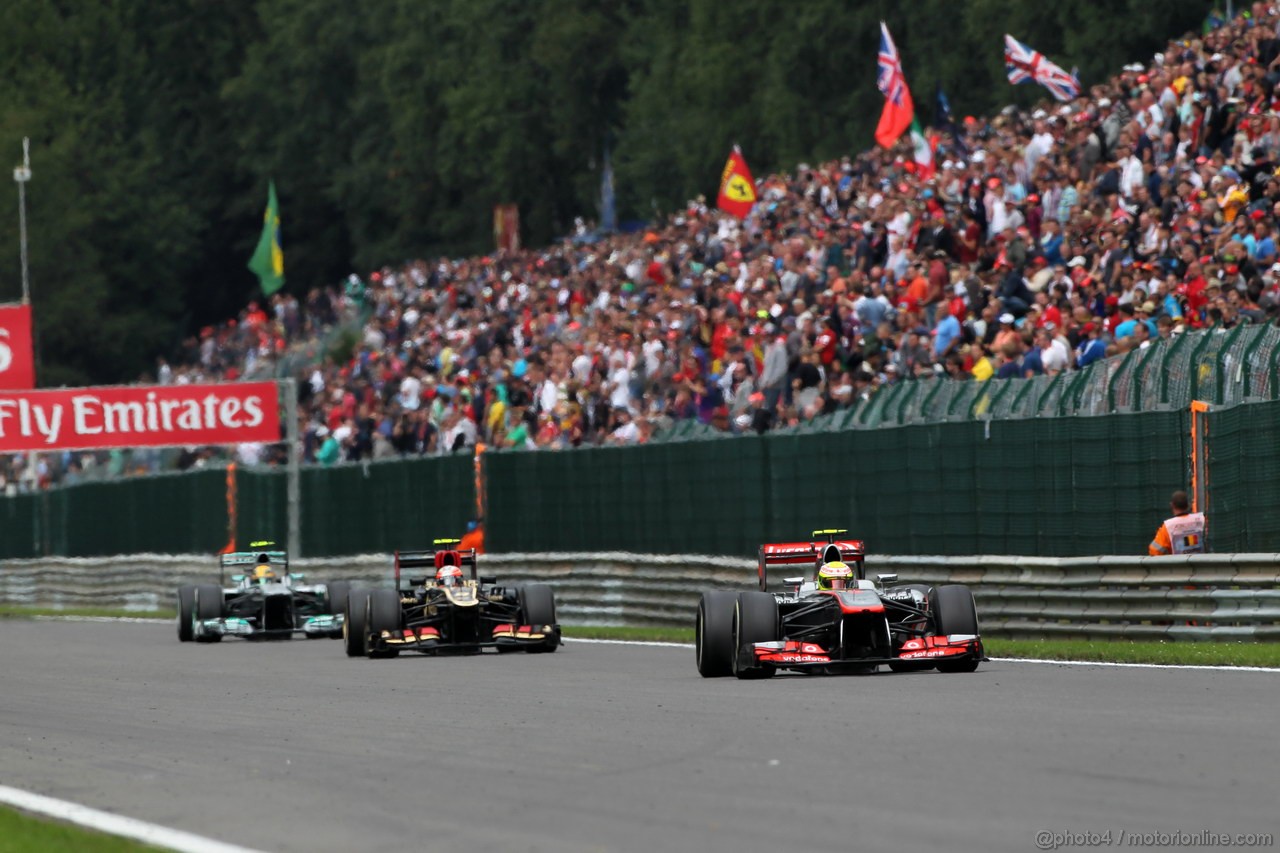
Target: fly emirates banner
139 416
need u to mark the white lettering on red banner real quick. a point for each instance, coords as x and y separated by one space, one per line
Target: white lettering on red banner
17 366
141 416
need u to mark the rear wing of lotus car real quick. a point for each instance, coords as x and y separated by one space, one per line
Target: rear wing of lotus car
826 546
442 554
241 560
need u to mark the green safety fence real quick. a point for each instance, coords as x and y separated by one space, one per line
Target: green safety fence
1243 450
348 509
1051 487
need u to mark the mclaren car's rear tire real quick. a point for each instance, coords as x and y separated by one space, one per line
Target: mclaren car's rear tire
955 613
206 603
538 607
186 612
713 633
755 620
384 615
355 625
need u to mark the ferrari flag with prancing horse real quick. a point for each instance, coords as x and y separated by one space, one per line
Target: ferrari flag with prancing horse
737 188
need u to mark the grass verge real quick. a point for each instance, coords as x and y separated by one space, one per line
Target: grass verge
1111 651
23 833
1117 651
20 611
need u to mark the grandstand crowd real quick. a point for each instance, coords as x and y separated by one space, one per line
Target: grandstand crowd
1040 241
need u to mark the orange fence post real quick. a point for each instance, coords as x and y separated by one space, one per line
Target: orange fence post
231 508
479 463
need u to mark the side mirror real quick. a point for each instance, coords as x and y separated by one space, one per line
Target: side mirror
887 579
484 581
237 578
793 581
297 576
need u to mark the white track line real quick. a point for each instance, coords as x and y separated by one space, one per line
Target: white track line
139 830
998 660
1224 668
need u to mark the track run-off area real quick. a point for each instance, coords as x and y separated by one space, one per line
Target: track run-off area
290 746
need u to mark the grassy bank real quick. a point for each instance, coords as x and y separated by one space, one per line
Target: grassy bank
23 833
19 611
1117 651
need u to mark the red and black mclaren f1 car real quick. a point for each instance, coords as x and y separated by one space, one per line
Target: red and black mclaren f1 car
444 610
909 627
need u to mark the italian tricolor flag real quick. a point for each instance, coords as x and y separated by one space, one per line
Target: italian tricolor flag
923 150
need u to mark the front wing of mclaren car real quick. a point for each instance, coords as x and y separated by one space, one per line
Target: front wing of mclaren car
855 630
798 654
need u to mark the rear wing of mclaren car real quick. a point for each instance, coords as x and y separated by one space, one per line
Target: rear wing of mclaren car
443 553
826 546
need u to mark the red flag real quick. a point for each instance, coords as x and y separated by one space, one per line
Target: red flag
17 366
737 188
898 107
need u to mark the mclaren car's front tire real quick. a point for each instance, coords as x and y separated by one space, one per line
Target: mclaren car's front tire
206 604
186 613
755 620
713 633
384 615
955 613
538 607
355 624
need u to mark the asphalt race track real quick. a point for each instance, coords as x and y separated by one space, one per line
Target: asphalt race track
290 746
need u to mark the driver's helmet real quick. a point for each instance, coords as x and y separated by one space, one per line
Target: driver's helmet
449 576
262 571
835 575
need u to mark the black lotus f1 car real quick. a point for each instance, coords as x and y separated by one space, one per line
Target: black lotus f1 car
263 599
440 612
909 627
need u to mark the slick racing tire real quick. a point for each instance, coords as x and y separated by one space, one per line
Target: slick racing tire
355 625
186 612
755 620
336 593
384 615
955 613
713 633
538 607
207 604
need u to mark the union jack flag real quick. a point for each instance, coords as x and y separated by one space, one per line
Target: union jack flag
890 79
1024 65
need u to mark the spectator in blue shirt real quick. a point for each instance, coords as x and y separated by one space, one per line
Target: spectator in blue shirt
1091 348
946 335
1125 329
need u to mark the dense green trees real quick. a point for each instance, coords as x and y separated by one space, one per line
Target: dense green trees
392 127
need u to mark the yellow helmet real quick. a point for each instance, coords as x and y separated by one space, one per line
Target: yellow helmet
263 572
835 575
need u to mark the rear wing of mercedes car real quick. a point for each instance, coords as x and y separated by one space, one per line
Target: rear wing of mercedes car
826 546
443 553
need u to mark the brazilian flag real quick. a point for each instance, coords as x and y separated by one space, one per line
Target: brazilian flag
268 259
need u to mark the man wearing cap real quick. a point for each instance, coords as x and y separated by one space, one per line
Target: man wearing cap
1091 347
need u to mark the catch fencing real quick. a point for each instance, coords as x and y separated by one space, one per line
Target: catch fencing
1204 597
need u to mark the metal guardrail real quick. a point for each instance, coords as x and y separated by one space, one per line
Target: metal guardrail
1202 597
